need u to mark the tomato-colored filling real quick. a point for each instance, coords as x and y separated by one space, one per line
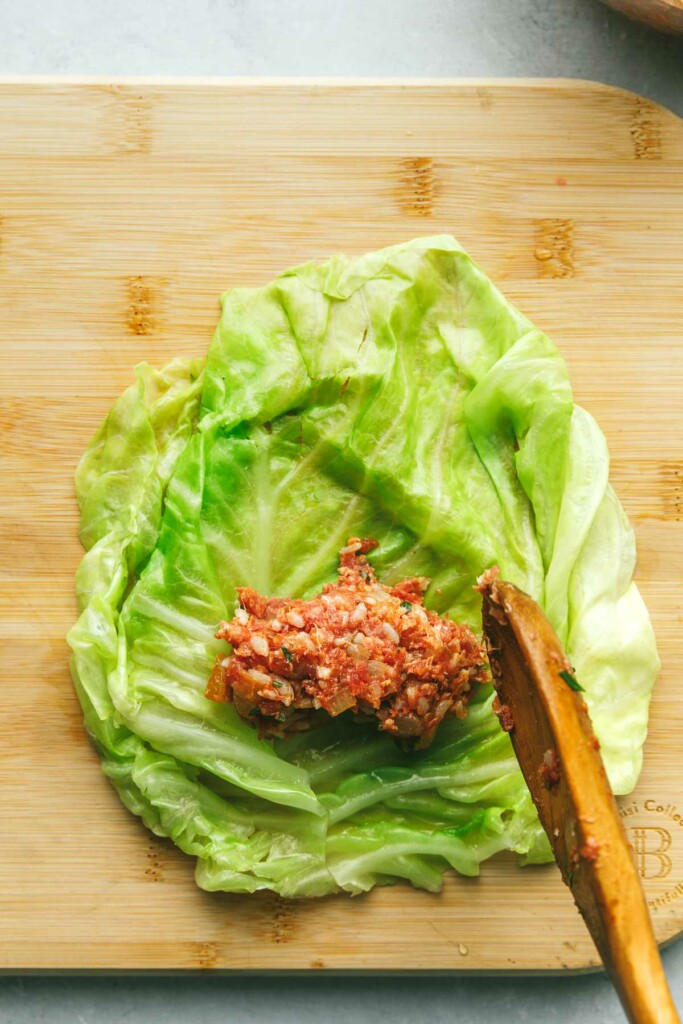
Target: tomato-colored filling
358 646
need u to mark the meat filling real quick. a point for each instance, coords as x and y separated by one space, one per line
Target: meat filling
358 646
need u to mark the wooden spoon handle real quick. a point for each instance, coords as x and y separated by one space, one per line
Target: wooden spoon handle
559 756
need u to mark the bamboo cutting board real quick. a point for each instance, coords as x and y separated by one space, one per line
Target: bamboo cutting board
125 209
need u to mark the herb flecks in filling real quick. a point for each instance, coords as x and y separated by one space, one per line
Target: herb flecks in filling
358 646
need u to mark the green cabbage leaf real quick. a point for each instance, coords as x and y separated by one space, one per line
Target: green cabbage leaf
398 396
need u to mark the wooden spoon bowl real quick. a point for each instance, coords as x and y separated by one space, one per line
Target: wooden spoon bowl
540 704
665 15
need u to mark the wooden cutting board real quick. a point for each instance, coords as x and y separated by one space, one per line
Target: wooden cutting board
125 209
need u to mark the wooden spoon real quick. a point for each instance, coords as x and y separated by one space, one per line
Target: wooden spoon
538 704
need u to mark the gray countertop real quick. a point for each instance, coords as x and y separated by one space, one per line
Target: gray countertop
572 38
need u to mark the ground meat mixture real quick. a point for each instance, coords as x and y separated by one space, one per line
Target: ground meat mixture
504 715
550 769
358 646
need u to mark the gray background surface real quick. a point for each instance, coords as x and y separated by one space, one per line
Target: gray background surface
574 38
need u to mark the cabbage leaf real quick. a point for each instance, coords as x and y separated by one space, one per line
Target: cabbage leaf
400 396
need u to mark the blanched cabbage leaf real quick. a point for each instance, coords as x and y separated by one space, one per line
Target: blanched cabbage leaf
397 396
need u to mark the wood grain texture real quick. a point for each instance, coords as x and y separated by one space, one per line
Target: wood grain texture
125 209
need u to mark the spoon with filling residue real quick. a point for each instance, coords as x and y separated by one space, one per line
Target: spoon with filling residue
540 704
